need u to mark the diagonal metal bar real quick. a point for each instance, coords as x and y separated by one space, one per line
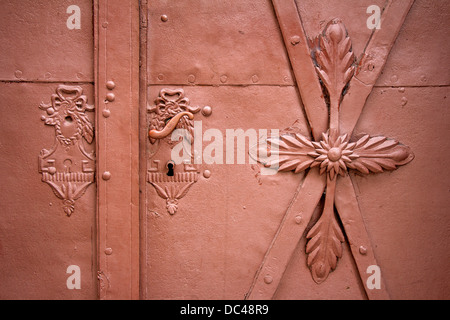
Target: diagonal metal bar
347 206
372 63
289 234
300 57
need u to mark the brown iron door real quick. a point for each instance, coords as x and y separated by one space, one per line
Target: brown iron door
317 167
346 109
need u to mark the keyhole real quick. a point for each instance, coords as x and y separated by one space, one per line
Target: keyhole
170 171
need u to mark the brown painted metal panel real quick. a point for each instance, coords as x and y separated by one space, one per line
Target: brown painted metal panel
420 56
395 204
45 42
407 211
196 240
47 194
212 245
233 34
211 249
38 239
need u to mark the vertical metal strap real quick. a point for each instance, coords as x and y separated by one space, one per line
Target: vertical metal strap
117 116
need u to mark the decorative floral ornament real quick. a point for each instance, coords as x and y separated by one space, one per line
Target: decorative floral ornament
172 194
67 167
334 154
67 109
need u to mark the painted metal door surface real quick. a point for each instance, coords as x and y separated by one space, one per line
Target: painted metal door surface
341 99
47 188
203 149
69 88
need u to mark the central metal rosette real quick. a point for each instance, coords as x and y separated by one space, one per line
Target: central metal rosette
333 154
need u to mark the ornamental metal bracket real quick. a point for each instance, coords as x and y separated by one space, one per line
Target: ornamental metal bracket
334 89
172 110
172 181
68 168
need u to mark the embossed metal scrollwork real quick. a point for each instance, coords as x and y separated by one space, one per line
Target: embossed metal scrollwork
171 111
68 168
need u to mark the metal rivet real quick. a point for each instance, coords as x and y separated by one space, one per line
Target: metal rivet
295 40
206 111
18 74
106 175
191 78
370 66
106 113
108 251
404 101
255 78
362 250
164 18
223 78
110 85
207 174
110 97
298 219
268 279
160 77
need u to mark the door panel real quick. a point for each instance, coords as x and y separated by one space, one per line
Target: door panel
39 240
41 46
215 43
417 210
420 50
97 202
212 245
47 193
233 58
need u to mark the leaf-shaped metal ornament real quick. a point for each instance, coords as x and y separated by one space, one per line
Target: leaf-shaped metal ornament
334 58
184 190
325 238
87 128
376 154
160 191
172 193
288 152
